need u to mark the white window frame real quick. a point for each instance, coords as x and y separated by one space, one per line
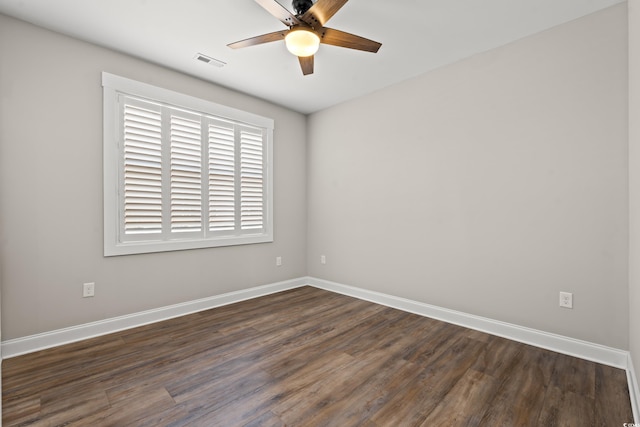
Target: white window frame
114 87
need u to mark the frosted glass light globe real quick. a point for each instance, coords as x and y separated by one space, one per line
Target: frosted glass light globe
302 42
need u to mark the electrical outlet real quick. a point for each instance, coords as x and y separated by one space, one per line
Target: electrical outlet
88 290
566 300
278 261
323 259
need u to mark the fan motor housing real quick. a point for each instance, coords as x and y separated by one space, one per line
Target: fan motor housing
301 6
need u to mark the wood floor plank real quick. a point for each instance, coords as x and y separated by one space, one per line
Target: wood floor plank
357 407
21 410
152 402
307 357
519 398
612 394
268 419
466 403
575 375
328 396
247 400
59 409
566 408
498 357
433 343
413 405
59 367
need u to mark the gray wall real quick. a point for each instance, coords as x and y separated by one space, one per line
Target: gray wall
634 181
51 192
487 186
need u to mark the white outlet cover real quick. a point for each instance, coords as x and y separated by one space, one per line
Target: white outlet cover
88 290
566 300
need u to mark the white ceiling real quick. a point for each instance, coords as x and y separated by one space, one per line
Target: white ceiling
416 36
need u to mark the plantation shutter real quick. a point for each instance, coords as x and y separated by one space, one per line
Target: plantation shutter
251 179
142 169
222 182
234 186
186 173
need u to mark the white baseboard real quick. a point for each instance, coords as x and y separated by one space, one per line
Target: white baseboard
558 343
30 344
634 390
582 349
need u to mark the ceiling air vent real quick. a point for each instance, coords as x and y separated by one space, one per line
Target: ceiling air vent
209 60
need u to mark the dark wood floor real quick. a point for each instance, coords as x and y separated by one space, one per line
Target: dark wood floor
308 357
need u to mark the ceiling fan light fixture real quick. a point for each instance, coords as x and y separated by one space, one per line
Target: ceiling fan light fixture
302 42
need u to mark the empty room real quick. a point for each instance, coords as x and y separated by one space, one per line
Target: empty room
320 212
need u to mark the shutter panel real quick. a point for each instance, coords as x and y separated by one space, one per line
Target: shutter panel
186 173
251 179
142 169
222 200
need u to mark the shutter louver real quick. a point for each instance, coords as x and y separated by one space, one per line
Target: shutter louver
186 175
251 179
222 201
142 169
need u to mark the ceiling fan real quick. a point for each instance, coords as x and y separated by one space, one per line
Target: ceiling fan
306 30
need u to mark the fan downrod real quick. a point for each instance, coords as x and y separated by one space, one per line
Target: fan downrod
302 6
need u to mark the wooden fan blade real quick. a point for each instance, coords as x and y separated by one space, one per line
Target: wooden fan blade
306 63
265 38
350 41
321 12
277 10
